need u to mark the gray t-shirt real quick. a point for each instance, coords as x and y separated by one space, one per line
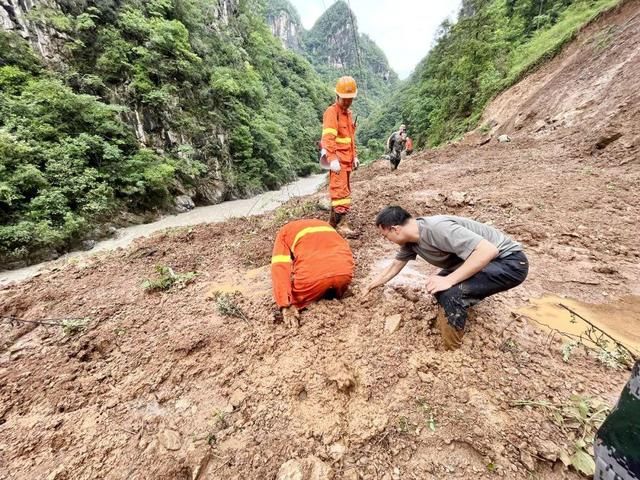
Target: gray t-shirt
446 240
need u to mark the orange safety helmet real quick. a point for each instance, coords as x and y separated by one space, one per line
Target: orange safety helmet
346 87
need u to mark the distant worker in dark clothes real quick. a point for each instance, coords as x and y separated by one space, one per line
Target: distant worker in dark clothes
617 445
310 261
396 144
476 261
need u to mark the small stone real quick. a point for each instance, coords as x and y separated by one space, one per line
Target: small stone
548 450
456 199
351 474
236 399
310 468
392 323
337 451
426 377
605 269
88 244
169 439
504 138
527 460
184 203
463 396
539 126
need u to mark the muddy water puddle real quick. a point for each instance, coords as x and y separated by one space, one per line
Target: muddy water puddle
619 319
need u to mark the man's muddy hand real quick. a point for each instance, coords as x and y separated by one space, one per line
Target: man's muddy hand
437 283
291 317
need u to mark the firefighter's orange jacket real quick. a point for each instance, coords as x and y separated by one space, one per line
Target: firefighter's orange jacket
339 136
305 251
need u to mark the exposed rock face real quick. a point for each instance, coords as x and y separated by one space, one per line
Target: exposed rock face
14 17
151 127
331 42
287 28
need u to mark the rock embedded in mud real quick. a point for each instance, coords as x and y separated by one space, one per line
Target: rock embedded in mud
548 450
527 460
337 451
605 269
310 468
504 138
170 439
392 323
456 199
426 377
236 399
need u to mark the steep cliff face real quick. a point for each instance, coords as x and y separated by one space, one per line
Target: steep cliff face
43 23
14 17
335 47
285 24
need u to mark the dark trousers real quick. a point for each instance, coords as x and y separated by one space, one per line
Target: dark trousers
395 157
501 274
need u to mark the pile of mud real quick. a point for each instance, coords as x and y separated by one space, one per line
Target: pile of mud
164 386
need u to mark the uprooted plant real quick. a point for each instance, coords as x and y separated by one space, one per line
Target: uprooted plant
167 278
227 305
69 326
578 419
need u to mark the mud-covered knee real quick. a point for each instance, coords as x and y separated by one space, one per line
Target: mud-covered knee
453 294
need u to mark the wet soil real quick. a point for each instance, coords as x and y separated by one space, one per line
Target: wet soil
163 386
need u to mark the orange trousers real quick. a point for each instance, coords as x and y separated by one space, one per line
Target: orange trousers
305 293
340 190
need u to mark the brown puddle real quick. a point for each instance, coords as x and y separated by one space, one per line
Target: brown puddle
620 320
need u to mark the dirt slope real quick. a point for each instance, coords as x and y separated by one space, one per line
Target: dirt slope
162 386
588 93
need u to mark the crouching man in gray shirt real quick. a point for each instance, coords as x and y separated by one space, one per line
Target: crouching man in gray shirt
476 261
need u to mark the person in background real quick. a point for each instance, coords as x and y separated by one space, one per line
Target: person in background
396 144
339 152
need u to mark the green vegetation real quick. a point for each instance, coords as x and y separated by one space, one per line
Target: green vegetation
167 279
493 44
72 326
578 419
227 305
294 210
149 99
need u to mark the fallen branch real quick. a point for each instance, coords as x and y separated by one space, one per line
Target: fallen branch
602 332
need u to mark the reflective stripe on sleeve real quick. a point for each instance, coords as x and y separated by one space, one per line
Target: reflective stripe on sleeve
281 259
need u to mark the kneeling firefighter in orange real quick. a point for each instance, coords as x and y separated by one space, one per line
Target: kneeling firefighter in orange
339 154
310 261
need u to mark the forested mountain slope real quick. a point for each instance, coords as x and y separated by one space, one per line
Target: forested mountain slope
111 107
492 45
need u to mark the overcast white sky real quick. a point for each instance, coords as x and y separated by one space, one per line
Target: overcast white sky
404 29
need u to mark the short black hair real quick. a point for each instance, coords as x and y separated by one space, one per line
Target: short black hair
391 216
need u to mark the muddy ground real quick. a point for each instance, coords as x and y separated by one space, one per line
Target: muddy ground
163 386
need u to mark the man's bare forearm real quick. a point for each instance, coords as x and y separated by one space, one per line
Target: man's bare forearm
392 270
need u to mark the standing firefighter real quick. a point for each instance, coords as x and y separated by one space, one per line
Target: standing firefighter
396 144
338 141
310 261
